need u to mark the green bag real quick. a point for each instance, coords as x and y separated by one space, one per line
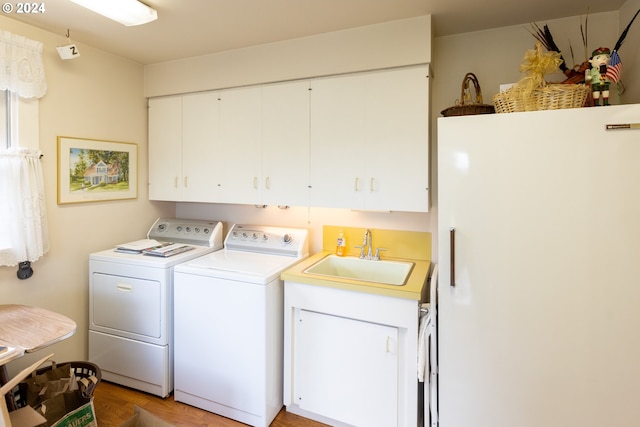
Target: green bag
69 409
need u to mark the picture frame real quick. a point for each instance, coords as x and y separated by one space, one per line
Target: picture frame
93 170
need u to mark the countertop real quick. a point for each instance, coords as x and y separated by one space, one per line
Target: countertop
414 289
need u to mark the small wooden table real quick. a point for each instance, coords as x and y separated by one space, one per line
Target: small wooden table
25 329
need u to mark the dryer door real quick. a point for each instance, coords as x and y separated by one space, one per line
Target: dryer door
126 306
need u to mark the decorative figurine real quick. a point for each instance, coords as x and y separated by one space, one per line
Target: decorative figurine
598 76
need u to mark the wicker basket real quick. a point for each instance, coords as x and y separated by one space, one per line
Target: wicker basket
549 97
472 108
87 374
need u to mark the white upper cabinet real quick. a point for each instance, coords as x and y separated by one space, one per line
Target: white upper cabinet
264 139
358 141
370 141
238 175
200 146
183 138
165 148
337 141
285 144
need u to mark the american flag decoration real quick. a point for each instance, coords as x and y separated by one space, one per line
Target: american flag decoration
615 67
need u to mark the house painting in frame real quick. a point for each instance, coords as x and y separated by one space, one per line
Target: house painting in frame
95 170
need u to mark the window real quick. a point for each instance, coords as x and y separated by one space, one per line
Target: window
18 116
5 111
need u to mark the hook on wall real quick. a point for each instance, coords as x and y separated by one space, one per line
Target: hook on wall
24 270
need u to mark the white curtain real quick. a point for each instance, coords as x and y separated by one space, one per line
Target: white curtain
23 220
23 217
21 67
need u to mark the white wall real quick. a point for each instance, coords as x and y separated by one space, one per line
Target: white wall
630 52
389 44
97 95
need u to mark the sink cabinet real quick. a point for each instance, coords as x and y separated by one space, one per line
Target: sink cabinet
350 357
335 358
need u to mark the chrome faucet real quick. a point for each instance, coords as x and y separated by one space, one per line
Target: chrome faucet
368 243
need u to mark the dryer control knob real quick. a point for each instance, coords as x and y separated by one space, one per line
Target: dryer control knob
287 238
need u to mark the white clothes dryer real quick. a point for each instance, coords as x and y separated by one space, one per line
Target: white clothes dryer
229 323
131 302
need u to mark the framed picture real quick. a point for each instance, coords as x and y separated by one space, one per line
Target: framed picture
91 170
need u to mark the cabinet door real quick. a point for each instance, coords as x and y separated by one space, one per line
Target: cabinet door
165 154
240 146
200 142
285 144
396 139
346 369
337 141
370 140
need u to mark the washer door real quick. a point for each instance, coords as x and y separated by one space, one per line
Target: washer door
126 306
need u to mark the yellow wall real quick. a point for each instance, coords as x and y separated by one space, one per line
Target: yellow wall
398 243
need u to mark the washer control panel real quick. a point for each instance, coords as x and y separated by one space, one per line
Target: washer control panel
188 231
265 239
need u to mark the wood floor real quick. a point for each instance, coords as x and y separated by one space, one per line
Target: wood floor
114 405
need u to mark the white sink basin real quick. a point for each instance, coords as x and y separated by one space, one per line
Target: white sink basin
384 271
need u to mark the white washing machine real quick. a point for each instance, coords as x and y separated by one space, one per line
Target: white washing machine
229 323
131 303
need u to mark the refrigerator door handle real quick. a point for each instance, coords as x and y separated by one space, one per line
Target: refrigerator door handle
623 126
452 246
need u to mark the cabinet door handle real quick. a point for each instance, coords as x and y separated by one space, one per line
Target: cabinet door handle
388 338
185 182
255 182
356 182
267 183
175 182
452 247
371 184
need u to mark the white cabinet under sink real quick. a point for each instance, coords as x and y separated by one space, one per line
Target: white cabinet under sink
350 357
337 359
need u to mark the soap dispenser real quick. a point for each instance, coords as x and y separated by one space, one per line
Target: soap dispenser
341 246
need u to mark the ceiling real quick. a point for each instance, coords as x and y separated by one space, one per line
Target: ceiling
187 28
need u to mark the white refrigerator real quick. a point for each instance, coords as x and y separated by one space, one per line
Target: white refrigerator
539 261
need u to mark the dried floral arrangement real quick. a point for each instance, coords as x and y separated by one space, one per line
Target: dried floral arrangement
594 75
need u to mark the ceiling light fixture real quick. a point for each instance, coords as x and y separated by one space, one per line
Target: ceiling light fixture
126 12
